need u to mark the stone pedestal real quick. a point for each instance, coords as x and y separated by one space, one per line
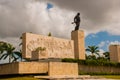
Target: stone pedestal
114 53
79 45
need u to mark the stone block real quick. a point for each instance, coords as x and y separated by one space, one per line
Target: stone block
63 69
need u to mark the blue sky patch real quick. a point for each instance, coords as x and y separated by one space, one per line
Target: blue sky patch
49 5
101 38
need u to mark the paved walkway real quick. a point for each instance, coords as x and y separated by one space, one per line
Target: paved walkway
82 77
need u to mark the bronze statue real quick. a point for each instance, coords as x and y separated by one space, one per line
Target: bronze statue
77 21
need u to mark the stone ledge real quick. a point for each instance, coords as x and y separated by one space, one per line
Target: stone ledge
24 68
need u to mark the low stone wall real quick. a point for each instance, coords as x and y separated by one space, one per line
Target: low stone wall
98 69
24 68
52 68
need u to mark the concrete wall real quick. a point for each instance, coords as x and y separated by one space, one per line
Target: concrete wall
54 47
93 69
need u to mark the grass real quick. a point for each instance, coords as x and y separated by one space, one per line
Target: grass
31 78
111 76
20 78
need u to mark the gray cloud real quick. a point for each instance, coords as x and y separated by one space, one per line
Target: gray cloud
94 13
94 10
19 16
14 18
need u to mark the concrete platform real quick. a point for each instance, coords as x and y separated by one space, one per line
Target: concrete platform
48 68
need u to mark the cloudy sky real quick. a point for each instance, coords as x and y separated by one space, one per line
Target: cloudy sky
100 19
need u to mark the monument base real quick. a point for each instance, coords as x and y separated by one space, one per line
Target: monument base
79 44
49 68
61 69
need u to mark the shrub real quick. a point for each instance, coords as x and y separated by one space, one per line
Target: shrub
92 62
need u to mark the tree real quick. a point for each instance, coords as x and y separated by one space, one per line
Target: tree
91 57
49 34
18 55
2 48
107 55
93 50
10 53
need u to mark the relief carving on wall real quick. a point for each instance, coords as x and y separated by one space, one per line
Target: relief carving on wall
55 47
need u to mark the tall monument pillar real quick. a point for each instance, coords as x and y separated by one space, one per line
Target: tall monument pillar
79 45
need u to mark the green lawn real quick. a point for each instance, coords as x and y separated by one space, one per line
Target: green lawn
112 76
20 78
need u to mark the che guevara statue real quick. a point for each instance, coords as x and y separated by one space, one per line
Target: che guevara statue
77 21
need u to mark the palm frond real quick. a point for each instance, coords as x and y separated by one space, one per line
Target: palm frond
5 56
2 56
19 54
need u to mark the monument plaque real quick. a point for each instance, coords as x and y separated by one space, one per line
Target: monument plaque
47 47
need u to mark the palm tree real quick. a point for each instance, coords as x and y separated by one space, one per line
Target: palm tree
91 57
9 52
93 50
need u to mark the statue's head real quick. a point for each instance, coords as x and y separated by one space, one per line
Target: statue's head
78 14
